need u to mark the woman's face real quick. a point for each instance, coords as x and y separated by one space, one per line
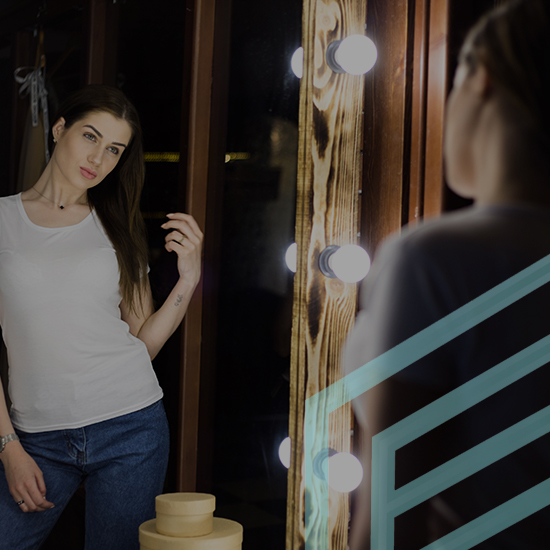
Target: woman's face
88 151
460 126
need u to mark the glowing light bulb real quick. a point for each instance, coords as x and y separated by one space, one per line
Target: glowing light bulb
291 257
297 62
284 452
350 263
356 55
345 472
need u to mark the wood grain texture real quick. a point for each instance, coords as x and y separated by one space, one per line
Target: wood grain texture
435 115
295 515
418 111
385 125
329 176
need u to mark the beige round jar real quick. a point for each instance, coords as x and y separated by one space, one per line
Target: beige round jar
185 514
226 535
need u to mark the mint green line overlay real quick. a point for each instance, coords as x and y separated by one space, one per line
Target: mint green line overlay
319 406
388 503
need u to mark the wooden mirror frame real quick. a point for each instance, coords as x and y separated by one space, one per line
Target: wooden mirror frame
370 160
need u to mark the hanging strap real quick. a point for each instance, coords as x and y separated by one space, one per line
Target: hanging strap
34 82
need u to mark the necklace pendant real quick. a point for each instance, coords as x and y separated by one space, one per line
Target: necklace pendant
62 207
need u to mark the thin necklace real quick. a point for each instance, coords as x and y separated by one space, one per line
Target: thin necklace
60 206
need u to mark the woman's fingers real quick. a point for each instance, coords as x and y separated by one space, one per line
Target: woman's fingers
33 499
26 481
181 230
185 239
178 216
38 492
183 248
33 494
186 226
40 483
181 238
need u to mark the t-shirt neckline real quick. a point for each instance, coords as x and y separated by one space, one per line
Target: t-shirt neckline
27 220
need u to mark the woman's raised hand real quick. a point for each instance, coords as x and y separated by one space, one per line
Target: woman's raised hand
185 240
25 479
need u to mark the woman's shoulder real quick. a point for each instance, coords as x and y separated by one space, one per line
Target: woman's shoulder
9 214
471 230
10 198
473 247
9 202
434 236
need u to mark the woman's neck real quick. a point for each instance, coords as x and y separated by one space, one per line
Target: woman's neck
512 165
51 188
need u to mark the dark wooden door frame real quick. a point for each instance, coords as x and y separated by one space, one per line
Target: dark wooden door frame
101 35
195 170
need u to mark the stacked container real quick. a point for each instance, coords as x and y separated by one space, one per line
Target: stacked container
185 521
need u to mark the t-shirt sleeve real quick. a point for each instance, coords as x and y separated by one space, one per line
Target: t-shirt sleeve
404 293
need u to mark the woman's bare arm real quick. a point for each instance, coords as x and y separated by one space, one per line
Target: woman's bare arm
154 328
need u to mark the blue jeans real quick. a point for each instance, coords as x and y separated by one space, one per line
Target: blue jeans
123 463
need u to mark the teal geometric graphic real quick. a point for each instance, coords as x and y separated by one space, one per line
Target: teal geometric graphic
387 503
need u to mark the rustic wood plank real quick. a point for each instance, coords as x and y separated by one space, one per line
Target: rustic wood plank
295 513
437 93
383 180
329 165
418 111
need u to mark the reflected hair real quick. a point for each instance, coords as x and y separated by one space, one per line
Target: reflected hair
116 199
512 42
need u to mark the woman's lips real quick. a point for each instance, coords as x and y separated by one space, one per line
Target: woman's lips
87 173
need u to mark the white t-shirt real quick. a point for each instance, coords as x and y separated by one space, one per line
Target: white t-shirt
72 359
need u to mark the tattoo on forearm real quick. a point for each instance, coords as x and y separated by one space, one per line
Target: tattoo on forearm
179 300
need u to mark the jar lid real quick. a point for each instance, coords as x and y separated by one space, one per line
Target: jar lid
227 534
185 504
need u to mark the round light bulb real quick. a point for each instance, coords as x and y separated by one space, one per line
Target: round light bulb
345 472
356 54
284 452
297 62
350 263
291 257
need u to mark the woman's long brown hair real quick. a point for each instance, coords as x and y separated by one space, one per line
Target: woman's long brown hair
512 42
116 199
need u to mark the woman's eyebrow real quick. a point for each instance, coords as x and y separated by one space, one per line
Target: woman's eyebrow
101 135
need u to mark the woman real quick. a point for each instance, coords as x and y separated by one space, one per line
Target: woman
497 152
80 329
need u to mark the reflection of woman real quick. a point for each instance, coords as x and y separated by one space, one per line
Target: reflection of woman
497 151
78 320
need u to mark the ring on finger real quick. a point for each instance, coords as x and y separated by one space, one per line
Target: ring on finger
20 502
183 237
